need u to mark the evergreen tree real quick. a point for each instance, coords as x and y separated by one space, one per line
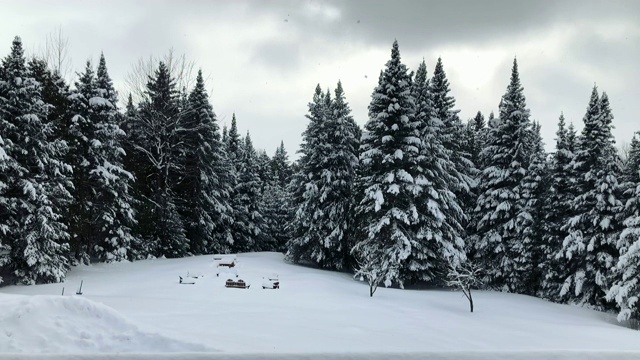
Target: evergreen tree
626 287
438 241
557 210
590 248
452 135
248 218
225 135
531 224
159 121
277 205
281 167
34 179
391 178
331 170
204 196
102 213
111 182
506 162
303 186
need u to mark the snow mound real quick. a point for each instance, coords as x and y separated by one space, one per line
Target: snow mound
67 324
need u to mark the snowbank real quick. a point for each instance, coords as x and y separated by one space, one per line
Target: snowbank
69 324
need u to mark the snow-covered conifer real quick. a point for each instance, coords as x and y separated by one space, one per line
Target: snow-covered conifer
589 250
505 165
391 177
33 181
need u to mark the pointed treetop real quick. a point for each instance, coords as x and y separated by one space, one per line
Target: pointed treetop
478 122
593 109
104 83
421 74
14 64
439 89
248 144
339 90
225 136
199 91
234 136
86 82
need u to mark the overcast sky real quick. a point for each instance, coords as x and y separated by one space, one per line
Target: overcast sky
263 59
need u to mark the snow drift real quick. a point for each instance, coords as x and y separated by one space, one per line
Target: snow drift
66 324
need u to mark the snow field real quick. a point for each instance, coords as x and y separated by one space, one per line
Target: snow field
314 313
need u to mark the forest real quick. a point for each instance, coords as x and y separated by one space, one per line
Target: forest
89 175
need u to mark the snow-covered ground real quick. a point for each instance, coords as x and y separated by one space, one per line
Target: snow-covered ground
140 307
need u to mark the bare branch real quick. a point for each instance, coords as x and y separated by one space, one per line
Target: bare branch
465 276
56 53
181 70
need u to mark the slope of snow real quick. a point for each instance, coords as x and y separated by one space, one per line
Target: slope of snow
319 312
57 324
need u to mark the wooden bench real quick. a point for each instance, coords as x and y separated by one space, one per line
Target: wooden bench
240 284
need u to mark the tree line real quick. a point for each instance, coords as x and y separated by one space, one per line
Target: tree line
401 201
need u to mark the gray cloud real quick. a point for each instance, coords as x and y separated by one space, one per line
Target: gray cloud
265 57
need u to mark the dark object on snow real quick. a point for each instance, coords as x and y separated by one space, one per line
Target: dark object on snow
63 291
227 262
183 282
79 292
240 284
271 282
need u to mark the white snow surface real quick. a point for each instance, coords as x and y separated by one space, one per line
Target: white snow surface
70 324
140 307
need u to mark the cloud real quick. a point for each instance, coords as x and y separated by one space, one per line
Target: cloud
264 58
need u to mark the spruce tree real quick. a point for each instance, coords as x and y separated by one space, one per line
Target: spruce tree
277 204
111 183
626 284
391 178
590 247
438 242
626 287
204 197
34 179
159 121
330 168
531 225
102 210
452 135
505 165
303 187
248 218
557 211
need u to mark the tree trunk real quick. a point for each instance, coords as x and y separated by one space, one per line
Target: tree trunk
470 301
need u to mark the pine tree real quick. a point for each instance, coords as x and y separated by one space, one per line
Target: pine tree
626 286
204 197
33 181
531 224
452 135
277 206
557 210
248 218
438 242
330 168
111 182
303 186
102 213
159 122
280 166
134 162
590 248
506 162
391 177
